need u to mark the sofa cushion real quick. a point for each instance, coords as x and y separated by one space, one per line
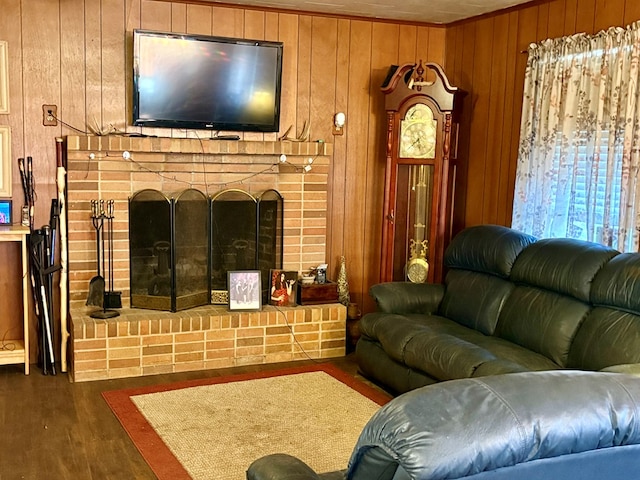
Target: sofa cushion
606 337
542 321
444 349
617 285
445 357
474 299
562 265
490 249
610 335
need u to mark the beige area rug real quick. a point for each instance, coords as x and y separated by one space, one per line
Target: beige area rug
214 428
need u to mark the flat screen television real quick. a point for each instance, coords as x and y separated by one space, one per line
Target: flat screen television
205 82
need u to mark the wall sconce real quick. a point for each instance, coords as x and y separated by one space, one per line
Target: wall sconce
339 120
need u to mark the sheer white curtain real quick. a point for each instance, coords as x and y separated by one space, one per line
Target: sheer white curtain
579 152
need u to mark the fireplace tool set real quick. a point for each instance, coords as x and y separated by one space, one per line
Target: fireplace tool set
42 264
98 295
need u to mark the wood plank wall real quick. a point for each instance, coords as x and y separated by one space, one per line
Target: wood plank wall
76 54
483 57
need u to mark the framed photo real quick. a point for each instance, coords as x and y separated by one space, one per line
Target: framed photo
4 78
245 290
5 212
283 288
5 161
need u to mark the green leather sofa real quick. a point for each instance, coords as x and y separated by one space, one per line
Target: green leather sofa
509 303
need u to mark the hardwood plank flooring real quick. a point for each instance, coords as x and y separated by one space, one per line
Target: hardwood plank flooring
54 429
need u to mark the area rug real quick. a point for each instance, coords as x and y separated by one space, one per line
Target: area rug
215 427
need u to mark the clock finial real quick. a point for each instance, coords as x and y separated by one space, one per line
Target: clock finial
419 81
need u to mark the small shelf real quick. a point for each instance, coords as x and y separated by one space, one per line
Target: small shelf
20 354
15 355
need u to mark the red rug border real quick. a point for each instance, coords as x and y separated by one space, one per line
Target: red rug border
156 453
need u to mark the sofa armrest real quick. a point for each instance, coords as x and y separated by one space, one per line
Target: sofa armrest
628 368
407 297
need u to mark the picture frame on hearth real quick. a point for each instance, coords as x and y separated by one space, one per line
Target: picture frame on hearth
283 288
245 290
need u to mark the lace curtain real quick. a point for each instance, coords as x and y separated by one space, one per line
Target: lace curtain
579 151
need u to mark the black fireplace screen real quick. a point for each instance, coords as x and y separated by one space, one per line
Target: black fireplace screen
168 244
246 234
183 245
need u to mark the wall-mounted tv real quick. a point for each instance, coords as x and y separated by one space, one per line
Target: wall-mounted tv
205 82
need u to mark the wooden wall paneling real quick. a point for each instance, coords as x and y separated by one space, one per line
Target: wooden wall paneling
93 68
556 19
384 52
631 11
497 101
113 67
337 182
609 13
179 17
324 32
464 66
200 19
436 47
304 75
72 65
585 18
478 180
569 16
509 125
543 22
357 147
407 44
288 34
228 22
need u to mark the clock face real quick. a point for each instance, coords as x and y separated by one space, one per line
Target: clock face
418 133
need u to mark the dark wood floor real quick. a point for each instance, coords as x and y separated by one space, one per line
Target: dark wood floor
54 429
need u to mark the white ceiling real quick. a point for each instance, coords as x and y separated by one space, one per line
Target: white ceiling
427 11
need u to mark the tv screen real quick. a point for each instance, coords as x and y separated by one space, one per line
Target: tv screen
197 81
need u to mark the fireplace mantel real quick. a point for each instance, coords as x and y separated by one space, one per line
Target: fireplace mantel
115 167
206 146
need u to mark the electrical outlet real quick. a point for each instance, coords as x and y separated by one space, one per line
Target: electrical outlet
49 115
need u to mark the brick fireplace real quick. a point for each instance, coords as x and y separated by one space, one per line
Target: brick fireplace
143 342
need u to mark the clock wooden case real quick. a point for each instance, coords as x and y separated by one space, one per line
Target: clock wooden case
421 168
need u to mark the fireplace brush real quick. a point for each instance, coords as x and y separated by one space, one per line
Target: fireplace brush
112 299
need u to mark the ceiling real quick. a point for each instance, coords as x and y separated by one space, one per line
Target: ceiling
423 11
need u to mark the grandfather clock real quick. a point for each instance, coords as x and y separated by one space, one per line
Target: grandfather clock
422 134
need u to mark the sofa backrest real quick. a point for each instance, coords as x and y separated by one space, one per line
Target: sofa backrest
551 298
479 261
610 335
